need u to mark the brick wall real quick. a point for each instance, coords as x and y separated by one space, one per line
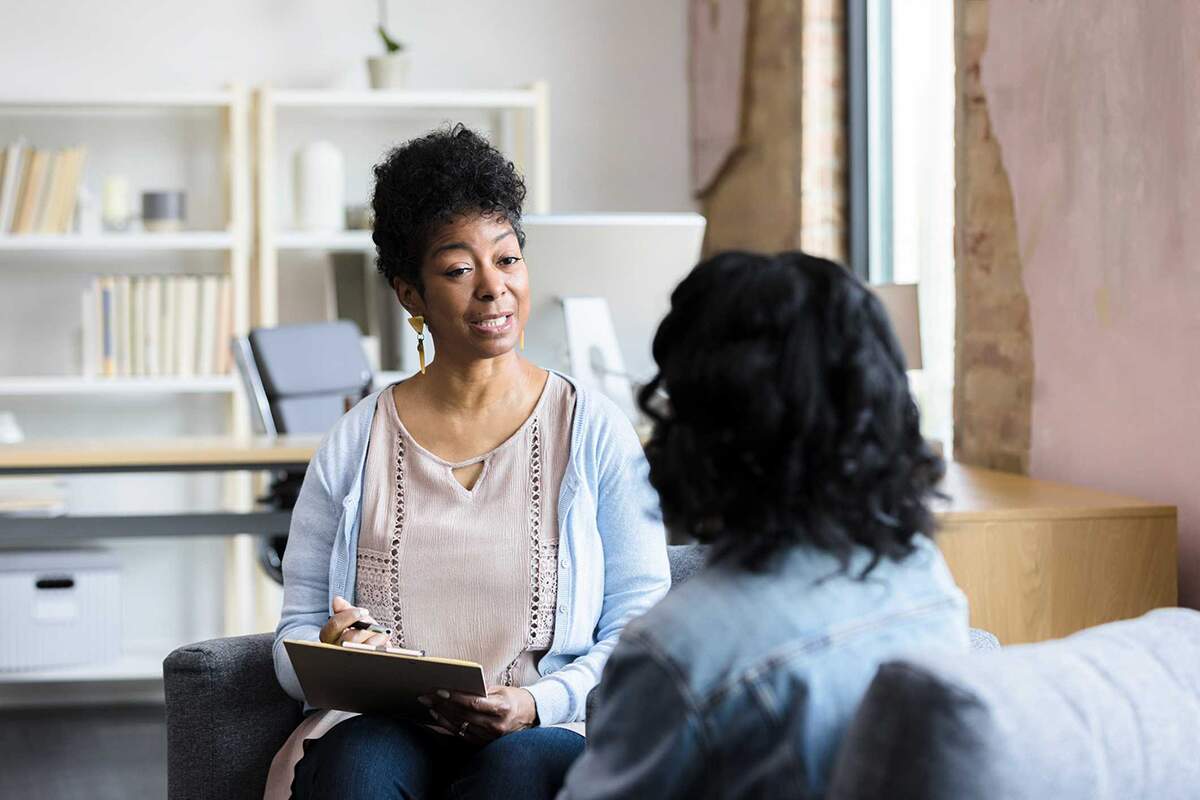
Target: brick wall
823 208
993 390
784 186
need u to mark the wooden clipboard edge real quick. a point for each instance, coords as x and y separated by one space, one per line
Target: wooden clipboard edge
423 659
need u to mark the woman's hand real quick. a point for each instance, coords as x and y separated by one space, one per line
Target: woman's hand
482 719
338 630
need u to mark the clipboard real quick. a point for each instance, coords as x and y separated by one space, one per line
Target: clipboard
367 681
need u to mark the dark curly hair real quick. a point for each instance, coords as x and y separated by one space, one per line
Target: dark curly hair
427 182
787 418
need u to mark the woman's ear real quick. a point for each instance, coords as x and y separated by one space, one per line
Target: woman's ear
409 297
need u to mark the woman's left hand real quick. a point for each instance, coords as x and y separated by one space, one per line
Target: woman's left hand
482 719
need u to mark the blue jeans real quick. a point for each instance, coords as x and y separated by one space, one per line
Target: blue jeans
372 756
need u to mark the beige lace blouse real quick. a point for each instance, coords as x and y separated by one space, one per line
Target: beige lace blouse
467 573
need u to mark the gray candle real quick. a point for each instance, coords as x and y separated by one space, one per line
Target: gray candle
163 212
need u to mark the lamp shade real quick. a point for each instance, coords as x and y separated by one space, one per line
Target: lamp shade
900 301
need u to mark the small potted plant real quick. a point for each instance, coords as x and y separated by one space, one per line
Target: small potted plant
390 70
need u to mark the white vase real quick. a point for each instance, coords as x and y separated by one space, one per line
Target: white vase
319 185
388 71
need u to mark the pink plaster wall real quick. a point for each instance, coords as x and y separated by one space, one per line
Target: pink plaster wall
1096 107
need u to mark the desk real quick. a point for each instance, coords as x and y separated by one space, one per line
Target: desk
1039 560
174 454
1036 559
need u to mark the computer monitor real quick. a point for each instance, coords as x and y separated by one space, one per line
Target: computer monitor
633 261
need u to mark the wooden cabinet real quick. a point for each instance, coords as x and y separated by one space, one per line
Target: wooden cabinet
1040 560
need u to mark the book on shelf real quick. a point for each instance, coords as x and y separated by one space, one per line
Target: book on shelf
62 189
43 219
16 158
210 295
152 325
89 325
74 182
225 327
32 187
137 335
39 189
107 319
188 316
157 326
121 317
170 305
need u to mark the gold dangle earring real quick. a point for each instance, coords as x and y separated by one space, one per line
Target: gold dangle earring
522 338
418 325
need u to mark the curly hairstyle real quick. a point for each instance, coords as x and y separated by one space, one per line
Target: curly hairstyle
783 415
427 182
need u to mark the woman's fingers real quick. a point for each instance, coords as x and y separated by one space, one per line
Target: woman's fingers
355 635
478 728
332 630
365 637
452 716
492 704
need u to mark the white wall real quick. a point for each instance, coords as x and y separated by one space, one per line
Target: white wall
618 98
617 68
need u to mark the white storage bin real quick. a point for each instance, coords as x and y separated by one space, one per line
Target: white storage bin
61 608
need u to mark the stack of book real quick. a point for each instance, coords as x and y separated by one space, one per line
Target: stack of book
158 326
38 188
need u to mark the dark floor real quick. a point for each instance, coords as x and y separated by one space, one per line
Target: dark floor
98 753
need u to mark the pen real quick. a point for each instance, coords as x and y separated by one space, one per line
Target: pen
383 648
363 625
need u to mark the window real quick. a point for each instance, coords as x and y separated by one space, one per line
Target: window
901 80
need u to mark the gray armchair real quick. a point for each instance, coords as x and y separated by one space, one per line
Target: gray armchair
227 716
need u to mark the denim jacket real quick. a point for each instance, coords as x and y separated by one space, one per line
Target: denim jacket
612 548
741 684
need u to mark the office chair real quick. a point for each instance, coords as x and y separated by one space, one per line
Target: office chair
299 379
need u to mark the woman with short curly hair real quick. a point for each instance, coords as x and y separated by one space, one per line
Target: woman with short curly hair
786 438
484 509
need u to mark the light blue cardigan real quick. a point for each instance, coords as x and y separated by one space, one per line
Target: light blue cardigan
612 548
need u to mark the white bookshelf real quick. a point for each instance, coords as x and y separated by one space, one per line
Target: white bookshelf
39 386
231 242
519 116
120 103
135 665
414 99
118 242
141 661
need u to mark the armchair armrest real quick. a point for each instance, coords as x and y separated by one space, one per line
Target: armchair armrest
226 717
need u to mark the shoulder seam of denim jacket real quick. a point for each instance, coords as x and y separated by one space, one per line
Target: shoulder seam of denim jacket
791 650
667 664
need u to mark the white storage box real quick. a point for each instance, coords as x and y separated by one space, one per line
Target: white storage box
61 608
